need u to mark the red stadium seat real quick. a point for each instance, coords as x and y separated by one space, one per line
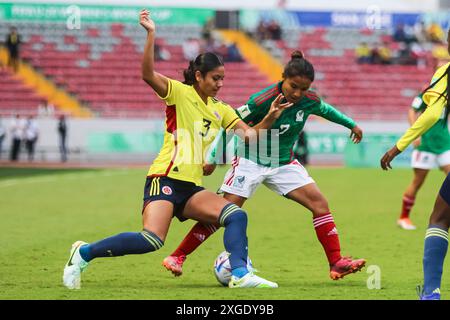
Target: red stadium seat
103 70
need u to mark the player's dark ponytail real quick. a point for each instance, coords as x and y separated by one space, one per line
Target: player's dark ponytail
189 74
298 66
446 93
297 54
204 63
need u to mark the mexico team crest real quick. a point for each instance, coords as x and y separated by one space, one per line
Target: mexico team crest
239 182
166 190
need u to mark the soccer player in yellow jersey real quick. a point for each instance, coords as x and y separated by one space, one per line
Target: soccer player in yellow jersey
173 185
431 150
436 97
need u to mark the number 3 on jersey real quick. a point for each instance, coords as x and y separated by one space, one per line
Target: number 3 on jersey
207 126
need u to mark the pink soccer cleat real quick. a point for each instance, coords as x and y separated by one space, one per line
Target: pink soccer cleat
346 266
174 264
406 224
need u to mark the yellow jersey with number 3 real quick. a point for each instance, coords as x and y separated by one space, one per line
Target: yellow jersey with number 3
191 126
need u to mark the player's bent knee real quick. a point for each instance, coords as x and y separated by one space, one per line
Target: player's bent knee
232 213
444 192
154 242
319 206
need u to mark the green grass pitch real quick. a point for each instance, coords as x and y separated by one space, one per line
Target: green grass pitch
43 211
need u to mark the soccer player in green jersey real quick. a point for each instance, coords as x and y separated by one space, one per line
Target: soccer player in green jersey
280 173
431 150
436 97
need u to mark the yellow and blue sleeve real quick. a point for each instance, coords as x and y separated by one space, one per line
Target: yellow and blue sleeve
229 117
436 105
426 120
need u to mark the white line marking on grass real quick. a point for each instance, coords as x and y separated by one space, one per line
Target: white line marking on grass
57 177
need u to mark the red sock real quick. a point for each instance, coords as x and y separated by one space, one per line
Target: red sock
328 236
194 238
408 203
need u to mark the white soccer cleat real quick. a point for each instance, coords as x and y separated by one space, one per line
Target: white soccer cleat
74 267
406 224
251 280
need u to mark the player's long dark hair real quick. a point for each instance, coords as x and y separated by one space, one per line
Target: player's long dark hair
298 66
204 63
446 93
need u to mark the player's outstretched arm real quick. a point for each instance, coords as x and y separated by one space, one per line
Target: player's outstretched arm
246 132
412 117
430 116
385 161
208 169
157 81
356 134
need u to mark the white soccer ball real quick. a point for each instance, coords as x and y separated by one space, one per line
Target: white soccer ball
222 268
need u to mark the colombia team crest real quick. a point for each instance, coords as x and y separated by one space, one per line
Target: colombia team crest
166 190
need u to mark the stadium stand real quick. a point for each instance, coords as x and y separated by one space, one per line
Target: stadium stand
100 65
16 97
363 91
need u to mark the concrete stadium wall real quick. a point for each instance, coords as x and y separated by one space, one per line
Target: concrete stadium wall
81 132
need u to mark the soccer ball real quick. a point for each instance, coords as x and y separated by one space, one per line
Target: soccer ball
222 268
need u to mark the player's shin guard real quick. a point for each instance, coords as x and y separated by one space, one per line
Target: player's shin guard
234 219
328 236
436 244
122 244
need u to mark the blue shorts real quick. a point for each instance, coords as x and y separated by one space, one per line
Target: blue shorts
445 190
176 191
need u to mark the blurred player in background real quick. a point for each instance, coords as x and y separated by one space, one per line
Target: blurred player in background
62 134
31 136
287 176
173 185
2 136
432 150
436 97
16 129
13 42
